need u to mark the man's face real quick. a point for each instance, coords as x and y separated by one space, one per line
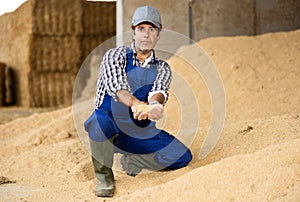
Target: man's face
145 37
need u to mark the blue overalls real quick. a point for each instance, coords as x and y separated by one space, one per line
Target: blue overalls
133 136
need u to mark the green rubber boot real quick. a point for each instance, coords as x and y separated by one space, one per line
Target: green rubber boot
134 164
102 158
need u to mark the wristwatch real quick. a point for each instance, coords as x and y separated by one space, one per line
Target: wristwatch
153 103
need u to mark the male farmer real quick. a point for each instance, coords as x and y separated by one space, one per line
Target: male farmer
132 90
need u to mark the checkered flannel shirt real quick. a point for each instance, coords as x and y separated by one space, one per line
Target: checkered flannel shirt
112 76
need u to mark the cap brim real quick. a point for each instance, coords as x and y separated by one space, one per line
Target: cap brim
137 22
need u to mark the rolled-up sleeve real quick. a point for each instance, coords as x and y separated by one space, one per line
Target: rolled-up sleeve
162 81
112 71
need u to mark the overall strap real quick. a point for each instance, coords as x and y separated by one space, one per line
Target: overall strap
129 59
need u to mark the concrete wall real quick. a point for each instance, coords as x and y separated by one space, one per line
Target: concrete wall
243 17
45 43
276 15
211 18
222 18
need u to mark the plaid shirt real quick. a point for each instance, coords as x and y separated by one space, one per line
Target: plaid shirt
112 76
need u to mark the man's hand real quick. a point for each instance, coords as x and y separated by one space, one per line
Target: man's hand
143 111
140 111
156 111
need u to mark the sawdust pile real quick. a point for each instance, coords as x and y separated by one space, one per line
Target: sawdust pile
256 159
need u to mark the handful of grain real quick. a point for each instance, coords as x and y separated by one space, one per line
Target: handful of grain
143 107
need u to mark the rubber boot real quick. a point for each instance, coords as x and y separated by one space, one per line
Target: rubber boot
102 158
134 164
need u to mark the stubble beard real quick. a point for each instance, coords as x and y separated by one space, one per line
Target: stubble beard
145 51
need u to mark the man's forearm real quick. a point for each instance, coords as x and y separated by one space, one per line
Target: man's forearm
126 98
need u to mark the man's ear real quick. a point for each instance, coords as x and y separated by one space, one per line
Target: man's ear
132 30
158 36
132 33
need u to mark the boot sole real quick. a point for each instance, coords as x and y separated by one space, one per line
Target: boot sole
104 193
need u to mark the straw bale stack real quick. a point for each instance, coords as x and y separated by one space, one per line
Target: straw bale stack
57 17
57 38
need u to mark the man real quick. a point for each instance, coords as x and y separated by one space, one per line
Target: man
132 90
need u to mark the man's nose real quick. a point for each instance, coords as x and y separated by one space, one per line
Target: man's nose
147 33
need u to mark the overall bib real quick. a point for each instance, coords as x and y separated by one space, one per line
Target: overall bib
114 119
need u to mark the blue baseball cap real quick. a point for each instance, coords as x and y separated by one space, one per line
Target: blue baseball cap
146 14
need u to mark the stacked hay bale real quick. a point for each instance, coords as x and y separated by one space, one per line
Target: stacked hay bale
61 34
55 51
